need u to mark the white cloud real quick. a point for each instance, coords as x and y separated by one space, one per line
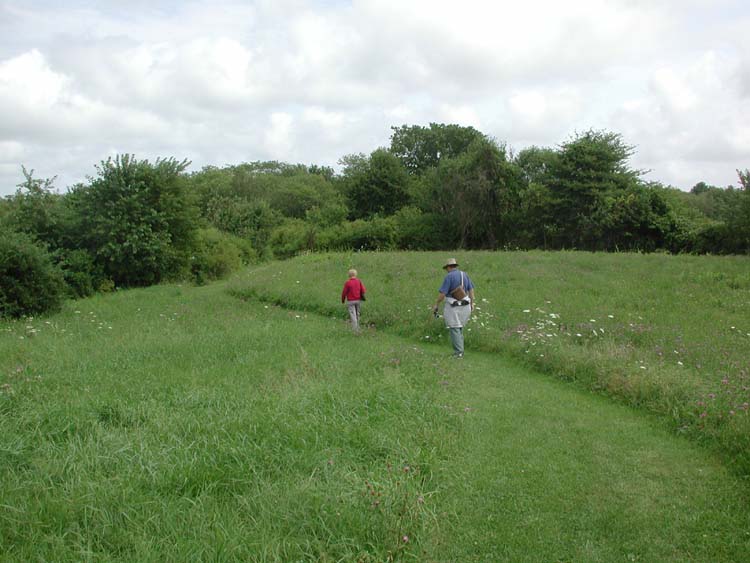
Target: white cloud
310 81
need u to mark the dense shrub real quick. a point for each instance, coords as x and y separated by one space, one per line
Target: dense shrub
292 237
416 230
29 282
217 255
136 220
81 275
378 233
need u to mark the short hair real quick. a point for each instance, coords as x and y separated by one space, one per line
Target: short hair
352 273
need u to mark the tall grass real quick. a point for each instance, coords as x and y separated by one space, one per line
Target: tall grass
183 424
670 334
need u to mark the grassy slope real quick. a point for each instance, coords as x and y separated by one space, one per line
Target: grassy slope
666 333
200 427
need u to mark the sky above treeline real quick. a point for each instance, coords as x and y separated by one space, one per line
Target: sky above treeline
309 81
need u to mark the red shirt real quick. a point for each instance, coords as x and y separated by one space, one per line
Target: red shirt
353 290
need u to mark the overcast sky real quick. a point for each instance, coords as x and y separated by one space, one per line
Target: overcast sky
309 81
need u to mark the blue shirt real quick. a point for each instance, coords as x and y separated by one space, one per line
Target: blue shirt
453 280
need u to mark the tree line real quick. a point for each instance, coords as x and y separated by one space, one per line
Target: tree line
436 187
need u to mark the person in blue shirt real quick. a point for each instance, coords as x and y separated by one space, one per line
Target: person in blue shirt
457 292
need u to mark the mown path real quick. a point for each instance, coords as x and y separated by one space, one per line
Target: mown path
551 473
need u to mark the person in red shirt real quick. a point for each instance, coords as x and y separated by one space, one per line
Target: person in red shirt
353 294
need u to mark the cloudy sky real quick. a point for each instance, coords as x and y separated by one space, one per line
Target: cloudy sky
227 81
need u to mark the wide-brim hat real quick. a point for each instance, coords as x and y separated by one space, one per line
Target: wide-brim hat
450 262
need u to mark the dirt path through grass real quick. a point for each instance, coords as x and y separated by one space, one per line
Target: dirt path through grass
552 473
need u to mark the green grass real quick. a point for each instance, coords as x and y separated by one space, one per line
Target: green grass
203 427
668 334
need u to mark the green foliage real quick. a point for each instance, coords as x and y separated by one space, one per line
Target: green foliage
590 167
218 254
536 164
136 220
81 274
536 223
378 233
475 193
292 237
422 148
253 220
38 211
29 282
417 230
377 185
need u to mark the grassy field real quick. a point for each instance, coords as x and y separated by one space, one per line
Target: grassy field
185 424
669 334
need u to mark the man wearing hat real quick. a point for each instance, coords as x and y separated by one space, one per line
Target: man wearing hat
458 293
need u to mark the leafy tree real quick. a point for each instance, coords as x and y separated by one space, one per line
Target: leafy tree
421 148
535 227
536 164
738 221
377 185
136 220
590 166
325 172
636 218
476 194
37 210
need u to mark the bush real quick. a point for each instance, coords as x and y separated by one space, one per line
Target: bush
217 255
292 237
378 233
136 220
29 282
81 275
416 230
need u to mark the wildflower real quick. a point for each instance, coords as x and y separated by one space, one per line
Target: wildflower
704 414
405 539
578 334
680 363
